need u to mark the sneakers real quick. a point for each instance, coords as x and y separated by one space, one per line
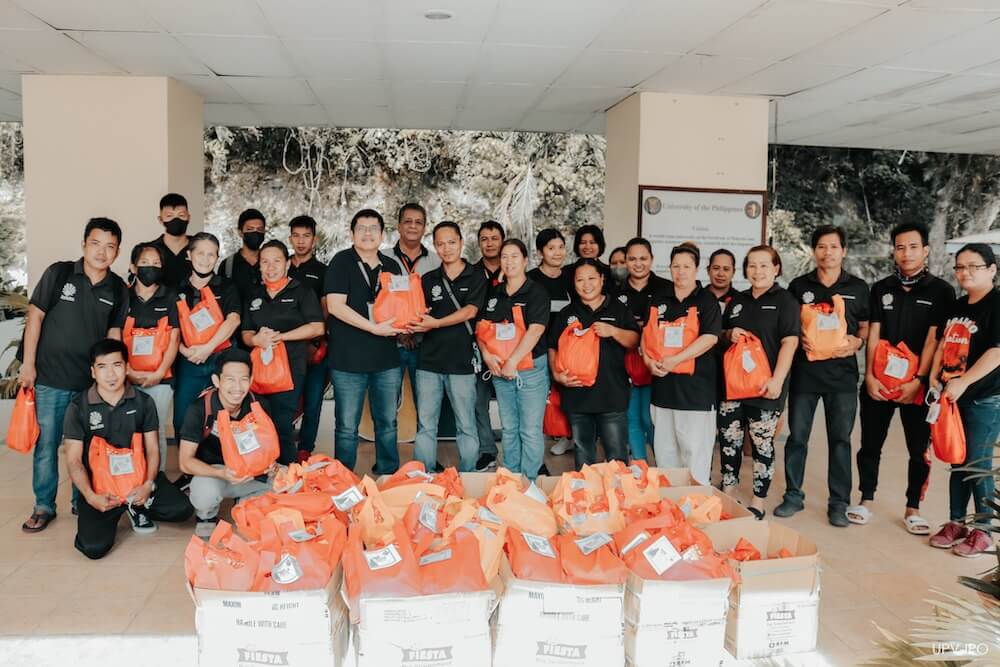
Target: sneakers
205 527
975 544
141 524
564 445
183 482
486 463
838 518
787 508
951 534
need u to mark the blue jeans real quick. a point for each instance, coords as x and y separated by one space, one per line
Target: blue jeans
189 381
522 407
312 404
50 405
981 421
349 390
640 421
461 391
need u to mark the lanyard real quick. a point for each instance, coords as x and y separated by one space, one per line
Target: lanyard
368 280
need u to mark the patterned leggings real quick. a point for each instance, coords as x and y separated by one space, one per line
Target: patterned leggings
734 417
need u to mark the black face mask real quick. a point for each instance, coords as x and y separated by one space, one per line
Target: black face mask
176 226
253 240
149 275
200 274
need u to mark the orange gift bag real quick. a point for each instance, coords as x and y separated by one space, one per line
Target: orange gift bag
198 325
579 353
824 327
947 431
23 431
225 562
665 339
146 347
400 299
116 471
894 366
250 446
555 423
501 338
272 373
533 557
746 368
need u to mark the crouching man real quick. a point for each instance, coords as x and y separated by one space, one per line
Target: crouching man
112 450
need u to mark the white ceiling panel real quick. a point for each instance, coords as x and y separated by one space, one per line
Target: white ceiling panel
940 91
852 135
965 5
868 83
501 96
209 17
787 78
969 49
213 89
141 52
91 14
553 121
336 59
240 56
424 118
614 68
403 20
230 114
52 53
983 121
503 118
10 81
9 63
595 125
702 74
13 17
258 90
511 63
582 99
923 116
425 94
369 117
290 114
350 94
322 19
572 23
430 62
672 26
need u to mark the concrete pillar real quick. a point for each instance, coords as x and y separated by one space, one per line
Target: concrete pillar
106 146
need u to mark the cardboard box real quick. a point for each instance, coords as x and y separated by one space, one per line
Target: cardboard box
775 608
729 504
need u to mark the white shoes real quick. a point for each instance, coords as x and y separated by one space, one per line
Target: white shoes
561 447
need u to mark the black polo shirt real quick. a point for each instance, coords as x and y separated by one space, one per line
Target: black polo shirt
89 415
984 317
148 314
534 302
77 315
561 289
310 274
610 392
726 298
244 275
195 422
176 267
698 391
224 290
830 375
351 349
772 316
638 302
494 278
295 305
449 349
905 315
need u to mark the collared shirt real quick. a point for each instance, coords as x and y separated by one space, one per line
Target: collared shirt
243 274
771 317
726 298
982 319
638 302
89 415
295 305
77 315
426 260
698 391
351 349
610 391
225 292
560 289
830 375
906 315
196 422
493 277
311 274
148 313
449 349
534 303
176 267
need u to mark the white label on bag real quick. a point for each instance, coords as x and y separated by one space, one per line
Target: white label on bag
319 465
486 514
414 474
246 441
436 557
399 283
635 541
383 558
535 493
121 464
202 320
673 337
556 305
661 555
636 471
142 346
539 545
428 517
581 332
748 362
576 484
933 412
267 355
287 571
897 367
348 499
826 322
305 535
505 331
592 543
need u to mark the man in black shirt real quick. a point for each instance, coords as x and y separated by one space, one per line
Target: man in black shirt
111 412
173 242
241 267
74 305
833 380
491 236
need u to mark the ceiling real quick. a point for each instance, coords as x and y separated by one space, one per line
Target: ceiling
904 74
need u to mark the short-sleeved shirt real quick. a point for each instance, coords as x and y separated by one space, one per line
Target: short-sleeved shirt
983 319
771 317
494 278
560 289
906 315
196 422
310 274
148 314
351 349
294 306
449 349
638 302
726 298
610 391
224 290
89 415
829 375
176 267
534 303
426 261
77 315
695 392
243 274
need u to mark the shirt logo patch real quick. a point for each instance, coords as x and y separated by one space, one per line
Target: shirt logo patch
661 309
436 292
255 304
737 309
68 292
96 420
491 305
623 298
886 299
572 319
808 297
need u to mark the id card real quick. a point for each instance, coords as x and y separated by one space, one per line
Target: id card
142 346
121 464
826 322
506 331
246 441
399 283
673 337
202 320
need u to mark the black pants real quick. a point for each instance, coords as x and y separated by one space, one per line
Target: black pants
281 408
734 419
839 408
613 427
95 531
875 419
484 427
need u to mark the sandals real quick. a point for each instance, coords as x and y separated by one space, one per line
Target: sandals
757 514
860 515
917 525
41 520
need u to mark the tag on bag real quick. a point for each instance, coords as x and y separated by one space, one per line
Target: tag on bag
202 320
380 559
933 412
347 499
592 543
142 346
505 331
635 541
539 545
673 337
121 464
305 535
436 557
486 514
267 355
246 441
897 367
826 322
428 517
535 493
287 570
580 332
748 362
399 283
661 555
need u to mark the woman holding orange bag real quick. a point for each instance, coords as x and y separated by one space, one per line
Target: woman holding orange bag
770 314
966 370
280 318
601 405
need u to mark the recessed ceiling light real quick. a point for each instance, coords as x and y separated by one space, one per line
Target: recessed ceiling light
437 15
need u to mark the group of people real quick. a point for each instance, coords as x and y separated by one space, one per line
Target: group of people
187 337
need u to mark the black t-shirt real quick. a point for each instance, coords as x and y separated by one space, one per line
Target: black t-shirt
88 415
494 278
698 391
534 302
610 392
772 316
906 315
195 422
77 315
984 317
310 274
829 375
560 289
295 305
351 349
244 275
224 290
176 267
638 302
148 314
449 350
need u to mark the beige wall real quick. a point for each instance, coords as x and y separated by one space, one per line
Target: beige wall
105 146
694 141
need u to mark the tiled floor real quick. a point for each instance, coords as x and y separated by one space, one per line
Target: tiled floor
109 608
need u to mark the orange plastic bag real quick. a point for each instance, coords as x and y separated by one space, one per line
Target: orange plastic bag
501 338
702 508
894 366
948 433
955 353
520 511
454 568
146 347
272 373
224 563
651 547
634 485
583 505
636 368
533 557
746 368
579 353
250 446
372 519
824 327
450 481
488 528
424 522
388 568
743 551
23 431
555 423
317 351
200 324
400 299
665 339
115 470
294 559
591 560
411 472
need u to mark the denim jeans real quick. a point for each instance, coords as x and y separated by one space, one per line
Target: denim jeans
349 390
50 406
640 421
484 425
461 390
161 395
840 409
522 407
281 407
312 404
189 381
981 421
611 426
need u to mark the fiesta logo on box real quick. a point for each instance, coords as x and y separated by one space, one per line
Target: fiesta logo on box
675 634
258 657
780 615
562 651
427 655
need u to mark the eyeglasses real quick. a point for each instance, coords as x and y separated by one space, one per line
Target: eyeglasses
367 229
969 268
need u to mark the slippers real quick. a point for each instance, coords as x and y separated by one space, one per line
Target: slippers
917 525
41 521
860 514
